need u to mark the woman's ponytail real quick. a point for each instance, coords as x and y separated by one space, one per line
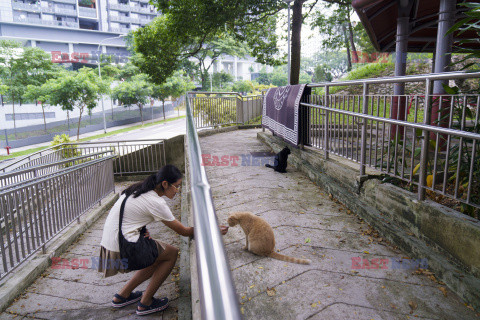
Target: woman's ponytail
168 173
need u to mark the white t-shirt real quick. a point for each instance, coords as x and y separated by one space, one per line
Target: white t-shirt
138 212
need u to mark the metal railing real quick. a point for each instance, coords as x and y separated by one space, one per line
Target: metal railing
216 288
440 157
119 7
32 214
132 156
212 109
14 178
26 6
70 24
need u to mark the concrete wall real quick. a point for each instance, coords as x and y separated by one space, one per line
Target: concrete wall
174 154
448 239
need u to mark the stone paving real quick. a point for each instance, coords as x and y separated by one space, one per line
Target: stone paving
79 293
309 224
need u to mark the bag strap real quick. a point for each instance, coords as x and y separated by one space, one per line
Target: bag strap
122 209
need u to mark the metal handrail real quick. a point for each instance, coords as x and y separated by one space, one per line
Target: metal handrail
217 292
397 79
35 169
421 126
35 212
60 146
394 157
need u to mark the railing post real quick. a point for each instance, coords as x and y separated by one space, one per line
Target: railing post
364 130
325 122
426 137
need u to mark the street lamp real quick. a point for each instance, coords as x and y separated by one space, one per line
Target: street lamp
288 41
100 76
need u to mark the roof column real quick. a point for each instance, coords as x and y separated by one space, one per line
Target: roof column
443 55
401 51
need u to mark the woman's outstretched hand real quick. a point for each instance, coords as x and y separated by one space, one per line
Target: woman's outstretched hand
223 229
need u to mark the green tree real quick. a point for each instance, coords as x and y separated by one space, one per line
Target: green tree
243 86
174 87
38 93
211 51
221 79
21 67
136 91
186 26
127 71
9 52
322 74
333 20
75 89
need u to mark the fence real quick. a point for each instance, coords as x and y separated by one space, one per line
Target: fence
216 289
31 214
40 171
132 156
433 146
210 109
33 131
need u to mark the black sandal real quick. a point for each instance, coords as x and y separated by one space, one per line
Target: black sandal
156 306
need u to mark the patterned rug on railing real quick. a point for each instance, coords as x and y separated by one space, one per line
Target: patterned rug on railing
281 112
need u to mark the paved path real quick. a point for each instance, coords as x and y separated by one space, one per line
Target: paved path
84 293
308 224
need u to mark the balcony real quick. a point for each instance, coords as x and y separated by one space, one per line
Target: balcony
48 10
119 7
66 1
66 12
87 12
120 30
26 7
140 9
68 24
121 19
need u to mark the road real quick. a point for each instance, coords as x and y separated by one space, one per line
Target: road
161 131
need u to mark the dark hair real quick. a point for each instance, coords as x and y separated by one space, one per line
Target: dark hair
168 173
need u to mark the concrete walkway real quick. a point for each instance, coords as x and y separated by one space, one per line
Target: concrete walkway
77 293
308 224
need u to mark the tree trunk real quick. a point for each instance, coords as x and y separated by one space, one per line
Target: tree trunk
296 41
163 107
141 112
352 43
13 116
44 120
79 120
348 48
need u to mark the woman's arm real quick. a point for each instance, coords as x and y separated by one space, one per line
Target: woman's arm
179 228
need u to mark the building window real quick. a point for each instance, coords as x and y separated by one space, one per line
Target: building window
29 116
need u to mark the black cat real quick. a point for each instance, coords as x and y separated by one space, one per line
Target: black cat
280 163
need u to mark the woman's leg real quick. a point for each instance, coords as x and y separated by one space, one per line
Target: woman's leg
158 271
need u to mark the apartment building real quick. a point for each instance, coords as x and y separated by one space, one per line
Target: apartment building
71 29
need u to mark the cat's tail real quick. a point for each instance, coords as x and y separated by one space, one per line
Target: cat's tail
278 256
269 166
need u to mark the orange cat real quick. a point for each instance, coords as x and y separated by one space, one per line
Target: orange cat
260 237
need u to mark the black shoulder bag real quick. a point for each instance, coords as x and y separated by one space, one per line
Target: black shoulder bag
140 254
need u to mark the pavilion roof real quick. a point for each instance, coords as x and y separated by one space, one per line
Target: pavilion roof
379 17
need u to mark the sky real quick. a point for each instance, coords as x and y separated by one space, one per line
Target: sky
311 39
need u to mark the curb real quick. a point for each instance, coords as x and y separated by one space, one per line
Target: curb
25 275
185 298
